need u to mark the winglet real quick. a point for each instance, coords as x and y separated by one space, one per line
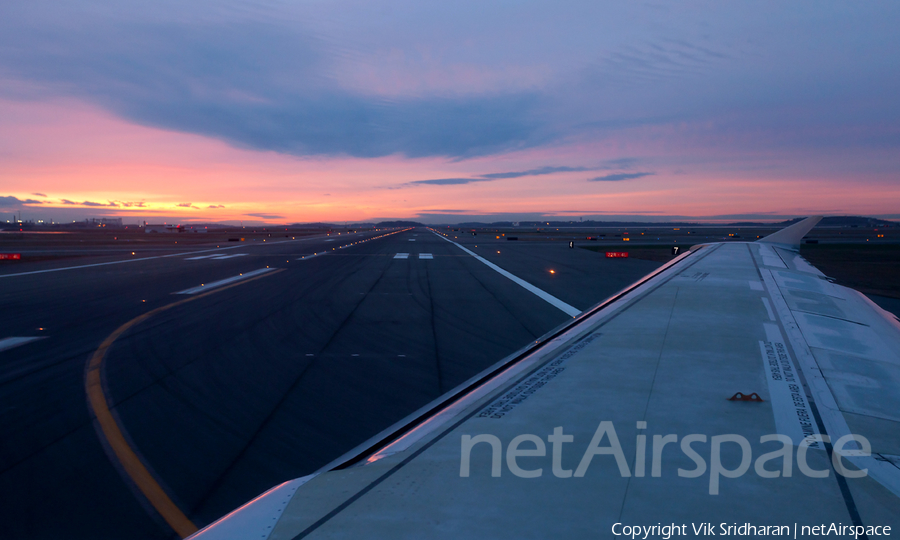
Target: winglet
791 236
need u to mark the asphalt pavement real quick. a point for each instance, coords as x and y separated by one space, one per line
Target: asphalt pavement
232 392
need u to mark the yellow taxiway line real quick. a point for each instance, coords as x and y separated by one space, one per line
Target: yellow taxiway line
126 456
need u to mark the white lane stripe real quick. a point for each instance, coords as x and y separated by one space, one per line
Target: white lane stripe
223 257
426 256
148 258
401 256
200 257
552 300
10 342
214 284
103 264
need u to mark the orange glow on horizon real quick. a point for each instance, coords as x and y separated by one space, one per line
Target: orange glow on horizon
75 154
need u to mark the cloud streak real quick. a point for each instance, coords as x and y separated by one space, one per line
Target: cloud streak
489 177
92 203
533 172
221 80
8 201
448 181
618 177
107 204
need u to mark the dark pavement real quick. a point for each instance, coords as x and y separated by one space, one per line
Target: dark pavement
228 395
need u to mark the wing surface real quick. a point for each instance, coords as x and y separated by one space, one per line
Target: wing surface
707 392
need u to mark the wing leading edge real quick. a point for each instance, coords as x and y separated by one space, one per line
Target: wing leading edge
644 410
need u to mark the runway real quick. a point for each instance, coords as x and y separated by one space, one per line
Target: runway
259 379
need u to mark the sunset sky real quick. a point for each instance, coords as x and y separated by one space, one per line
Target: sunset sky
283 112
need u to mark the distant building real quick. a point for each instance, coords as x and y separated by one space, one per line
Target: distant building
162 228
166 228
103 222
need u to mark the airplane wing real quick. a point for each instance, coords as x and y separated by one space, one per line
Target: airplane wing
735 386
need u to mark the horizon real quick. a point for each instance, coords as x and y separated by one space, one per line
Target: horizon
748 221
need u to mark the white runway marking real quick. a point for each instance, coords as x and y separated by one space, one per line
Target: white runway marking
216 257
214 284
401 256
10 342
547 297
141 259
412 239
426 256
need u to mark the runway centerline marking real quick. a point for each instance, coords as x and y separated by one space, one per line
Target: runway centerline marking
426 256
11 342
401 256
127 458
540 293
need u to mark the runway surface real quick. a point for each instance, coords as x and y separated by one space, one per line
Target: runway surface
232 392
